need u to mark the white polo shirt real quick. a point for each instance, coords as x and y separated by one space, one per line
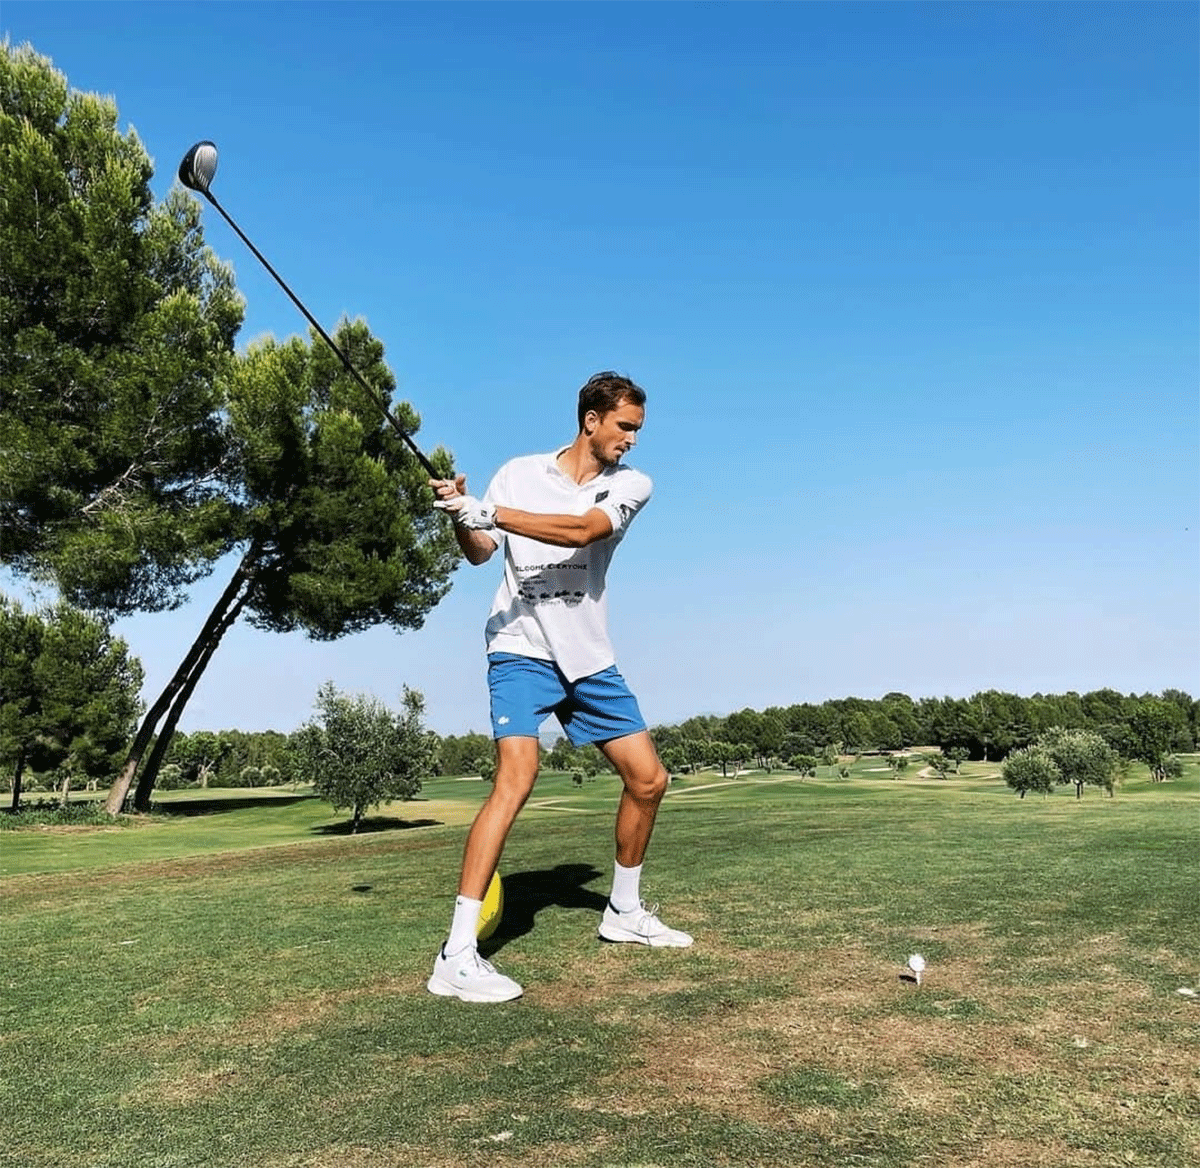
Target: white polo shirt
551 603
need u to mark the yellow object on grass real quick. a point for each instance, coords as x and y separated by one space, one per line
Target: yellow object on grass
493 908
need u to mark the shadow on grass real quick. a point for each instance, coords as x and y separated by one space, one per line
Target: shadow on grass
527 893
214 806
372 824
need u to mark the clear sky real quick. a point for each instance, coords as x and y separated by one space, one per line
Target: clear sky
912 288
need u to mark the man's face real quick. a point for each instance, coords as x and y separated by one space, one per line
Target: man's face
611 435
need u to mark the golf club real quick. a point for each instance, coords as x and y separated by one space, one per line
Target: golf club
196 172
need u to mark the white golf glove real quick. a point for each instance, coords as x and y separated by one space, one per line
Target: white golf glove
469 512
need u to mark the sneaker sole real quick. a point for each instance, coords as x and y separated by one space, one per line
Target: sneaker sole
619 936
445 989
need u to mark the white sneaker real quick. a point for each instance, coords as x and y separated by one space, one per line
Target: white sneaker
642 927
468 976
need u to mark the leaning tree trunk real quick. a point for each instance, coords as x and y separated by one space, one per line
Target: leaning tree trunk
149 775
120 788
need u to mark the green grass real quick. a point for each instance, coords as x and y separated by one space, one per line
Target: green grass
243 987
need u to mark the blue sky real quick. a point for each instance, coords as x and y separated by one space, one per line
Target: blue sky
912 288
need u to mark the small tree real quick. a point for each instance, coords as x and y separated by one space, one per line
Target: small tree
1082 757
720 753
358 754
806 764
673 759
939 764
200 755
857 730
89 687
1154 728
1031 769
458 754
743 729
20 704
897 763
561 756
69 700
586 761
694 752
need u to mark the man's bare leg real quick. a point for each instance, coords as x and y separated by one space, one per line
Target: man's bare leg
645 780
516 773
459 971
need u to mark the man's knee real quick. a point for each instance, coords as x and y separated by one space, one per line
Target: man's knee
516 772
648 784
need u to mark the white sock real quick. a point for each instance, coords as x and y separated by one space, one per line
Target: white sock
464 926
626 888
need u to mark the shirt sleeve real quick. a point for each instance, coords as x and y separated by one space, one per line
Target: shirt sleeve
495 493
629 493
497 496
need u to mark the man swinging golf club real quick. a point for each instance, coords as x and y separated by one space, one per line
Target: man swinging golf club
560 517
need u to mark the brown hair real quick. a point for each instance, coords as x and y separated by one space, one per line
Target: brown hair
605 391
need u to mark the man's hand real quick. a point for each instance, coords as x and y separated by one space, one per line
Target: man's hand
466 511
469 512
469 517
447 489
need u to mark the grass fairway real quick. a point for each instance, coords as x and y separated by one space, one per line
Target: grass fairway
245 988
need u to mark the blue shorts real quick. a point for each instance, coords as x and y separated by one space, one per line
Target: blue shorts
525 691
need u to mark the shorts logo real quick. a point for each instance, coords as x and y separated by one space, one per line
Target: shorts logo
502 720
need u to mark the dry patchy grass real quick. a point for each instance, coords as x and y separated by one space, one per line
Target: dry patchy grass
849 1017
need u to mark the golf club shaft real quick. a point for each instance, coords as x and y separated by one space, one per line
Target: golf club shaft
379 402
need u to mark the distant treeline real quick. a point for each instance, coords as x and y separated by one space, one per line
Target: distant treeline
986 726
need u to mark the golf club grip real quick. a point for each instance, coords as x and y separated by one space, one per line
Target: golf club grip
380 404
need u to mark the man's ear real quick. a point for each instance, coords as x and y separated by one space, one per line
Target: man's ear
590 421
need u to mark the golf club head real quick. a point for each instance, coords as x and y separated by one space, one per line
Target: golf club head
198 167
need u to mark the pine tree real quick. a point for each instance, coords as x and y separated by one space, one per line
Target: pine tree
116 329
335 522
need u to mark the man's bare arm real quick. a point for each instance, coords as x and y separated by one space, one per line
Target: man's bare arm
572 531
477 546
473 520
